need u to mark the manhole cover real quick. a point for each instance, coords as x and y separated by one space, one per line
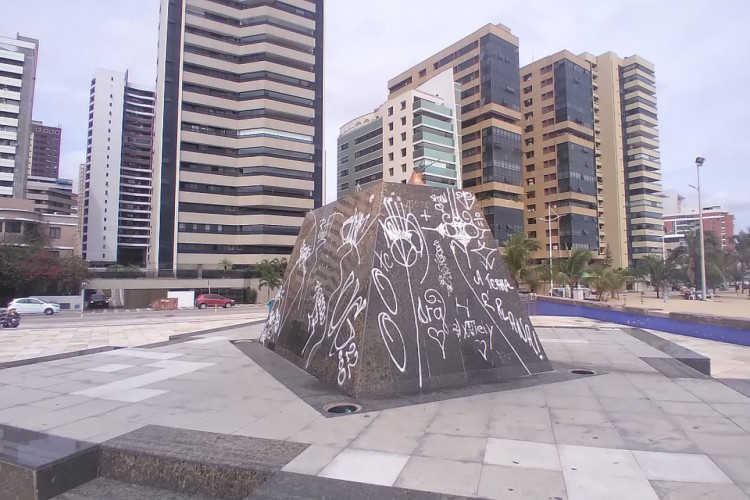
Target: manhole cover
582 371
342 408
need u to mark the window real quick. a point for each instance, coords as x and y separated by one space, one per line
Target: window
531 221
403 167
528 102
532 234
12 226
527 77
530 181
547 109
403 120
390 126
550 163
552 190
422 73
550 177
548 149
390 111
390 171
527 90
403 105
546 82
390 141
390 156
531 208
54 233
548 122
547 95
403 152
343 185
530 167
530 195
403 136
545 69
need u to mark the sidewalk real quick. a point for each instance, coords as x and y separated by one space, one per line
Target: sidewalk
110 330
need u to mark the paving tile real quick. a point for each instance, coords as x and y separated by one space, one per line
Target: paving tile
599 435
573 402
365 466
681 467
736 467
603 474
680 408
333 431
708 425
521 454
697 491
732 409
511 482
110 368
313 460
712 391
465 449
460 424
522 431
577 417
443 476
380 439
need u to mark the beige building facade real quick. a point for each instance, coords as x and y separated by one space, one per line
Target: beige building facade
486 66
238 131
591 159
21 223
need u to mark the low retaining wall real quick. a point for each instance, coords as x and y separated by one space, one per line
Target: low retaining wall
722 329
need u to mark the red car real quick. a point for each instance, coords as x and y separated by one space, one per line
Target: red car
212 300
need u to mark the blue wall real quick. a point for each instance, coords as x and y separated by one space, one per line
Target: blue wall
680 327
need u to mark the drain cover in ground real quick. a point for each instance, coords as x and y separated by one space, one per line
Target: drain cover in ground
401 288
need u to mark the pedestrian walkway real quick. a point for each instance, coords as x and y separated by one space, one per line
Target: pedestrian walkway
110 330
628 432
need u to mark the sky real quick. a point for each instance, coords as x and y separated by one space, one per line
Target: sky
700 50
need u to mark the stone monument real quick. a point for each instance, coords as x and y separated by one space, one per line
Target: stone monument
400 289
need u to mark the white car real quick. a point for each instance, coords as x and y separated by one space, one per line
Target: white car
31 305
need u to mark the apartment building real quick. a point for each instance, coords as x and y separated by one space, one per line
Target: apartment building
716 221
238 150
419 128
51 195
44 150
485 64
18 57
117 177
591 159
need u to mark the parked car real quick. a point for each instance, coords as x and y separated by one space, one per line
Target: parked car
212 300
32 305
98 300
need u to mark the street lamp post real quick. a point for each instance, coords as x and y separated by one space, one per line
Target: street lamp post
698 163
549 220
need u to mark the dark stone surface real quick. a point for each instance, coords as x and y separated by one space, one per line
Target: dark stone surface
673 368
682 354
55 357
318 394
40 466
290 486
109 489
400 289
194 462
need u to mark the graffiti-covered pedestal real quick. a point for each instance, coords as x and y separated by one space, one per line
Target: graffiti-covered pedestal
401 289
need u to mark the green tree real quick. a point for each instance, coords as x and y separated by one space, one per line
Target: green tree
271 272
225 265
742 248
517 256
607 281
571 270
688 255
658 271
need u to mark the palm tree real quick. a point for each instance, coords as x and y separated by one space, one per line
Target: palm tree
607 281
571 270
658 270
742 247
688 255
270 274
516 254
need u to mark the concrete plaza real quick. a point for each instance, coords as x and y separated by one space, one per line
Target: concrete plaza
629 432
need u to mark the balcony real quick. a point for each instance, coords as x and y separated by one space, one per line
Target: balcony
434 138
427 152
430 107
428 121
